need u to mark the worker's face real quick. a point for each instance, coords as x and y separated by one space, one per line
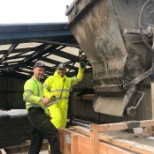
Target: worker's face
61 72
39 72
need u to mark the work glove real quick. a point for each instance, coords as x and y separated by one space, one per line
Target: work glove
82 60
82 64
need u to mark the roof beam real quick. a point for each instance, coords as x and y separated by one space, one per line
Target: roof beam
33 35
57 62
38 51
22 50
55 43
8 52
63 54
51 61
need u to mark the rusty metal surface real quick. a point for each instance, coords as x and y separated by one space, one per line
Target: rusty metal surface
99 27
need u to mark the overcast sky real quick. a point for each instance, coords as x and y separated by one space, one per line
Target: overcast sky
33 11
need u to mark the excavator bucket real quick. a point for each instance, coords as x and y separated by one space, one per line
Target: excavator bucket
112 34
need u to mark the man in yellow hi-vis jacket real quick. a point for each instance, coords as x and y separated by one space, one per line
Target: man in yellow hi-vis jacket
57 88
35 102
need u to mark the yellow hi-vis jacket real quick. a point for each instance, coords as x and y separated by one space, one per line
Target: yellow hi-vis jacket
60 88
33 91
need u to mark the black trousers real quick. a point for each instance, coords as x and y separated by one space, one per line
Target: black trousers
42 128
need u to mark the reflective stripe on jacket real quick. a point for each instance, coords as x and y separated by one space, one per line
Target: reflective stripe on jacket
33 91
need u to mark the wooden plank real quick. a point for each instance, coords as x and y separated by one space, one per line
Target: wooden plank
94 139
146 123
112 127
127 144
84 144
125 125
74 144
2 151
67 142
109 149
81 130
70 141
61 137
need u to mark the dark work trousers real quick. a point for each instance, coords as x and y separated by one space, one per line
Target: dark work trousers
42 128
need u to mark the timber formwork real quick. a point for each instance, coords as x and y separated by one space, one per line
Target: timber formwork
109 138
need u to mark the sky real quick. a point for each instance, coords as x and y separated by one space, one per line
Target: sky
33 11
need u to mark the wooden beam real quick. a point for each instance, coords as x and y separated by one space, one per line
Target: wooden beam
61 137
125 125
8 52
94 139
105 148
84 144
146 123
112 127
74 143
81 130
130 145
2 151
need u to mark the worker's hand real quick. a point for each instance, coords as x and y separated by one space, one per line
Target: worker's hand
46 101
82 60
82 64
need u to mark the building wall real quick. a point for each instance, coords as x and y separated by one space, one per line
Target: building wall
14 130
11 90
